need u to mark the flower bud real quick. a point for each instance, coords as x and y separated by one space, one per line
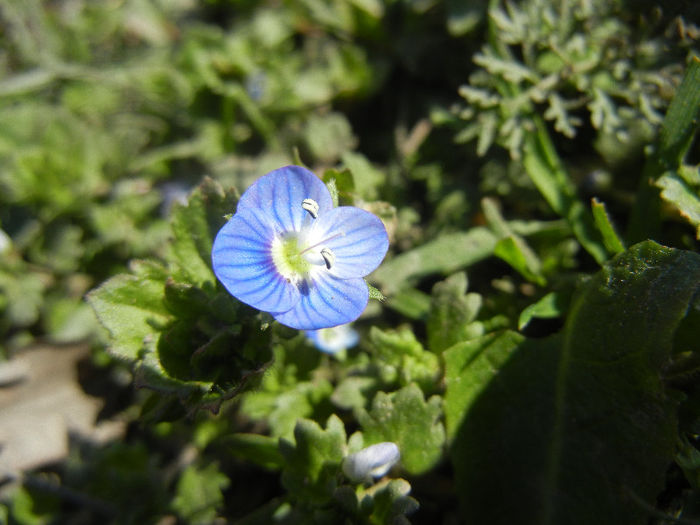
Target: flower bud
371 462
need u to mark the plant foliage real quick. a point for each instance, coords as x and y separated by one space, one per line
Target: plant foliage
531 346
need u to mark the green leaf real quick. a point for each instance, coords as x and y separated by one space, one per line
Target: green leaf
343 180
32 507
551 306
131 308
198 493
194 227
401 350
126 220
681 121
290 390
175 325
70 320
676 191
583 415
511 247
312 462
261 450
690 174
513 251
374 293
120 478
354 391
391 502
602 221
333 190
22 295
282 409
446 254
463 18
138 311
411 422
329 136
469 368
679 126
451 314
544 167
411 303
366 177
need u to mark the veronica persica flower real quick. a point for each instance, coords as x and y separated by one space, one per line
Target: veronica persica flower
289 252
333 340
371 462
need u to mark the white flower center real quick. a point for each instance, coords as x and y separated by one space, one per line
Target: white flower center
296 255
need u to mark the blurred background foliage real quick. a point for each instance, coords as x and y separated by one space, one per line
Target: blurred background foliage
475 129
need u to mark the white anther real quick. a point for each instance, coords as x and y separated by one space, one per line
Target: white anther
311 206
328 256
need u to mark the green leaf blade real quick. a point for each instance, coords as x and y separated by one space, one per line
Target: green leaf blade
681 121
676 191
602 221
410 421
583 415
313 461
446 254
129 306
199 493
194 227
545 170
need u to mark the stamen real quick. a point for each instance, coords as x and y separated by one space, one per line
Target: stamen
328 256
309 248
311 206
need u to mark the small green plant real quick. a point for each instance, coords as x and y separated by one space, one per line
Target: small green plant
514 183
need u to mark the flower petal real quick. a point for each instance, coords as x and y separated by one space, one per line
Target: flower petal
335 339
280 193
358 239
242 262
327 302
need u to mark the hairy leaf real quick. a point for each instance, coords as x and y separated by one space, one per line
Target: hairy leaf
198 493
405 354
452 313
131 308
578 427
194 227
411 422
313 460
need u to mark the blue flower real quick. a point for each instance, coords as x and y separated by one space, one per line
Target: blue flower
333 340
289 252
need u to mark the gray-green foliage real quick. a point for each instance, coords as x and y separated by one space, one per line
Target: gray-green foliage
568 62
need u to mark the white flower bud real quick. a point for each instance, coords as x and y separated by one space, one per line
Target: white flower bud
371 462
